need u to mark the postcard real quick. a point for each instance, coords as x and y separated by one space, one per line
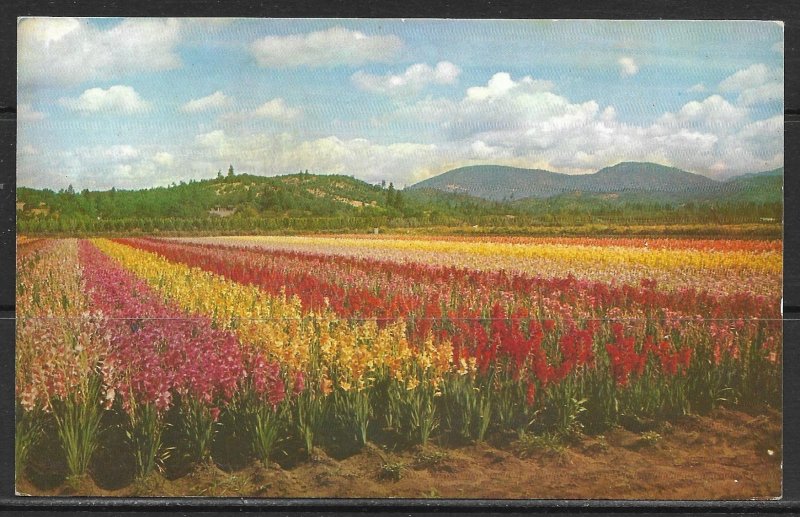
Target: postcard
387 258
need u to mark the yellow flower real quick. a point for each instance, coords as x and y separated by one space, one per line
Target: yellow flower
413 382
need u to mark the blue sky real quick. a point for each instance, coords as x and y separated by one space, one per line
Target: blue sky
134 103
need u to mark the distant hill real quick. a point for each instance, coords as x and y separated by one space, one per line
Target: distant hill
499 183
761 187
628 180
646 178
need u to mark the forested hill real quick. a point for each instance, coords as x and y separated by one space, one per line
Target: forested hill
244 194
319 202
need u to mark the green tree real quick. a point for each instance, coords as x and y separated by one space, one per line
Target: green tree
230 171
398 200
390 195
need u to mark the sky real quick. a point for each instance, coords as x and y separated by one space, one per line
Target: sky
142 102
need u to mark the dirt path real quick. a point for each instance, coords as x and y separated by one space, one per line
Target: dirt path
728 455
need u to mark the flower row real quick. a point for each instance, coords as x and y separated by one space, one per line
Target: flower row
718 271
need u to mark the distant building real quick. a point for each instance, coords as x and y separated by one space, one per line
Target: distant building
42 209
219 211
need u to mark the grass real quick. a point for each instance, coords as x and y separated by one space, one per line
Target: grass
431 494
222 485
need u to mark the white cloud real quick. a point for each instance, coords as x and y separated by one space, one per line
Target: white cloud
501 83
116 99
770 92
778 47
212 144
713 113
70 51
103 167
415 78
609 114
754 75
761 140
479 149
627 66
281 153
756 84
119 153
506 120
504 112
215 101
258 153
277 109
697 88
521 122
26 113
164 158
335 46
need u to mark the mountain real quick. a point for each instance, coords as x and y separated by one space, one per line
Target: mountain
628 180
645 177
499 183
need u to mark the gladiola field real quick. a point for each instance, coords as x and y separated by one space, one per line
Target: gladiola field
173 353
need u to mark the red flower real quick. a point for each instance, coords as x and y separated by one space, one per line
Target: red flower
530 394
299 383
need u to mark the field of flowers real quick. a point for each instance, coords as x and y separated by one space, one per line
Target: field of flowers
293 343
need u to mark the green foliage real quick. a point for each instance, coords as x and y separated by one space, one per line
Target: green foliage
393 470
266 425
144 436
28 430
199 423
528 444
353 411
649 438
430 459
310 414
415 411
78 423
244 203
467 406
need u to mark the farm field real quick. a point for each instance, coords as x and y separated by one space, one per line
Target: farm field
382 366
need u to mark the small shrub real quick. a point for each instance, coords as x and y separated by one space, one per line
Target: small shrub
430 459
393 470
649 439
549 443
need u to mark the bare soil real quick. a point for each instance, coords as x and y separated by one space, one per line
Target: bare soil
726 455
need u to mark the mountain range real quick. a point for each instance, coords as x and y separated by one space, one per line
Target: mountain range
627 180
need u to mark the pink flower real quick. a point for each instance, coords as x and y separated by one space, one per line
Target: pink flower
299 383
214 413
